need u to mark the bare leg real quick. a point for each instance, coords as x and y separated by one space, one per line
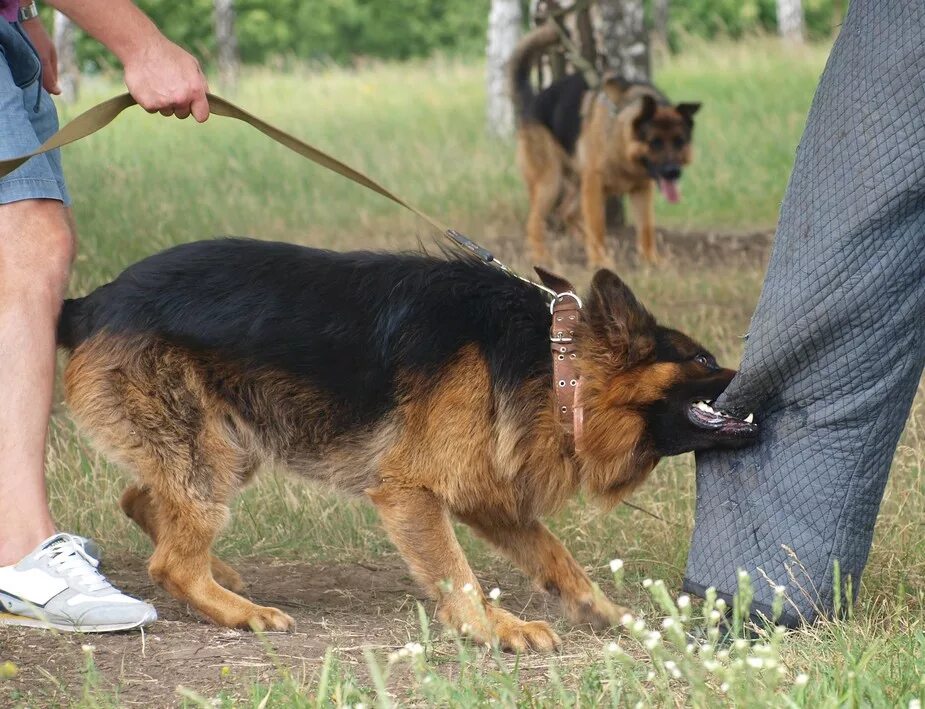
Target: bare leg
421 529
36 248
535 550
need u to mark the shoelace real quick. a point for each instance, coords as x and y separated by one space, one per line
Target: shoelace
70 559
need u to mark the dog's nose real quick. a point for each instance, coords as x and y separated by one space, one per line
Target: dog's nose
671 172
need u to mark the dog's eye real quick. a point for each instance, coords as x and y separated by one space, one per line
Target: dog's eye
678 143
657 144
706 361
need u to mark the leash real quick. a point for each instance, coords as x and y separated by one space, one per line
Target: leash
101 115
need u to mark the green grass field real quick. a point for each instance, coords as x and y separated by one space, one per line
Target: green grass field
149 183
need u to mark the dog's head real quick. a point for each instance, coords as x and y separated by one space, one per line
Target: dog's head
663 142
647 390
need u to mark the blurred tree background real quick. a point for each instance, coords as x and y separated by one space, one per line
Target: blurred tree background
346 31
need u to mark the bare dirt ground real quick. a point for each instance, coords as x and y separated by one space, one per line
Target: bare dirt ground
350 607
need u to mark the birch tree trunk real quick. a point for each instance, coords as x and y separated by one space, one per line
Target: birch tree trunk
227 44
660 23
790 19
504 28
65 38
623 39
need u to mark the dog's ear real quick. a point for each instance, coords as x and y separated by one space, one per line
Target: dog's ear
687 111
646 112
625 326
554 282
614 87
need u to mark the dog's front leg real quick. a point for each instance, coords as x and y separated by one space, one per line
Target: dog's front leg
642 204
594 216
418 524
535 550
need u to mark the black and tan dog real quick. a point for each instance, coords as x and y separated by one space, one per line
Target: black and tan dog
422 383
576 146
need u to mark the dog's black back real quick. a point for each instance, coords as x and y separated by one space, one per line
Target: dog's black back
346 322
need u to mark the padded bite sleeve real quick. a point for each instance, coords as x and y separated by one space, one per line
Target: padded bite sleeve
835 348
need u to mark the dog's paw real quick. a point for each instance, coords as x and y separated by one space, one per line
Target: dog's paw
594 609
263 618
515 635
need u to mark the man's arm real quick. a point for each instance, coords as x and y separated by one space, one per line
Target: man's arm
160 75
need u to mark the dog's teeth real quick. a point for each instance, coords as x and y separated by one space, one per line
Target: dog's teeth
704 406
750 418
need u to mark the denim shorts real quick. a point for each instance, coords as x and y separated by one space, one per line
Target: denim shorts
27 119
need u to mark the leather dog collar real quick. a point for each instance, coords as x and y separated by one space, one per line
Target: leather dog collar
566 314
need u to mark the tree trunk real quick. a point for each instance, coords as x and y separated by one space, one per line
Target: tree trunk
660 24
623 39
504 28
65 39
226 43
790 19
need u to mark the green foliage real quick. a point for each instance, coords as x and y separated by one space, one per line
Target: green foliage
345 30
735 18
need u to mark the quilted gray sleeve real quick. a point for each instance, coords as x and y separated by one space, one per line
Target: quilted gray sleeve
836 347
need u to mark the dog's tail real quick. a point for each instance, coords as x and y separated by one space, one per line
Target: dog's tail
74 323
521 61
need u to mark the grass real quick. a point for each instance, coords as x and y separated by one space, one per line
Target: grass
148 183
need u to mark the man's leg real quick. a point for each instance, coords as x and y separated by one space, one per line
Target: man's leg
36 247
836 346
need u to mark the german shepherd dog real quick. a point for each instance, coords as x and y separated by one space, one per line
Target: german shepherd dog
420 382
576 146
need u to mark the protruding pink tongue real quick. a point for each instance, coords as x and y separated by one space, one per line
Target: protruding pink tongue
670 189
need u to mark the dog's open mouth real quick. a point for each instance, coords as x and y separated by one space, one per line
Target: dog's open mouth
670 189
703 415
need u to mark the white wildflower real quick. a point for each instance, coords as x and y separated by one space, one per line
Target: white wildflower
668 623
915 704
88 648
755 662
627 619
616 565
724 687
414 649
495 593
740 645
715 616
720 605
684 601
468 588
646 583
801 679
780 590
613 648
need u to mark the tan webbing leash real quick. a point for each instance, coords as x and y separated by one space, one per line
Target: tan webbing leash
101 115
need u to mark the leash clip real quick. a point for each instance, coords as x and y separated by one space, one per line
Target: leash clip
557 298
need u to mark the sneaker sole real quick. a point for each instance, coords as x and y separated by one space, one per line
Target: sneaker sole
27 622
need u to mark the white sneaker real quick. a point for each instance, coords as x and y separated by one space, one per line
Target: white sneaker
58 586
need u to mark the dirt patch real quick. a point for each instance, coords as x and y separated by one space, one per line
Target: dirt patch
349 607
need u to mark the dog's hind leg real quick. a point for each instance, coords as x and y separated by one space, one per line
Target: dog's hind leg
149 408
535 550
420 527
543 174
138 505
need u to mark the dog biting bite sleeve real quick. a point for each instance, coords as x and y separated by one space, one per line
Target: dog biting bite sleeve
836 346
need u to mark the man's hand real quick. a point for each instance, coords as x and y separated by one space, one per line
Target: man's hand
161 76
47 53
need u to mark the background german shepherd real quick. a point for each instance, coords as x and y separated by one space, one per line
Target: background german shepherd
614 141
421 383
